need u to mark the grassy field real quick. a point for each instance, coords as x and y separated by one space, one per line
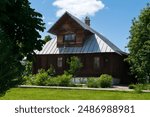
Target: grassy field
61 94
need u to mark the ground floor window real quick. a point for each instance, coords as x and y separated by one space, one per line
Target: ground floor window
96 62
59 62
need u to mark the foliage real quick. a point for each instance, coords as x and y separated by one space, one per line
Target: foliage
29 80
62 80
105 81
28 67
65 80
19 32
138 88
74 65
143 86
9 73
47 38
53 81
46 78
146 87
139 46
51 71
132 86
41 78
93 82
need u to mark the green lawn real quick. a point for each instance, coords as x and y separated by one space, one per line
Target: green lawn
62 94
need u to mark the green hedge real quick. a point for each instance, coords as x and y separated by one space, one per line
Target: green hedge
93 82
105 81
43 78
62 80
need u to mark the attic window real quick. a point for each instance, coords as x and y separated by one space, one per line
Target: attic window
70 37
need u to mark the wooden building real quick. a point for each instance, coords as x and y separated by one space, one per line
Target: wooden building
75 38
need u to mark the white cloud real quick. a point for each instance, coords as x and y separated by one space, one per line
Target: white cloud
79 8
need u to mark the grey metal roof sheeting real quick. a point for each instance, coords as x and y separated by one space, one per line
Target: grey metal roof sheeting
96 43
93 44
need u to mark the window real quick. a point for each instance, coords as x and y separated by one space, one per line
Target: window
96 62
70 37
59 61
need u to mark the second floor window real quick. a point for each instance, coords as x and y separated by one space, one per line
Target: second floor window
70 37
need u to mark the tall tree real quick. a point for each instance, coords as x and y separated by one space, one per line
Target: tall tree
19 37
47 38
139 46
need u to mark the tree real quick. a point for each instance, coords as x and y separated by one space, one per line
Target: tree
74 65
139 46
47 38
8 71
19 37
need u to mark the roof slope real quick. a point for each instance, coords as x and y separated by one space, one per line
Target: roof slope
96 43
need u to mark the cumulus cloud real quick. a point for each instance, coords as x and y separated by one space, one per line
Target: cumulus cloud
79 8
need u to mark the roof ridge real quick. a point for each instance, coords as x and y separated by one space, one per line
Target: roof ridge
107 41
88 28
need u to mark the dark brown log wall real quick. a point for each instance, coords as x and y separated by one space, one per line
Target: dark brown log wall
65 26
110 63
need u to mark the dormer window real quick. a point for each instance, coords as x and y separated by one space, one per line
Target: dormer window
70 37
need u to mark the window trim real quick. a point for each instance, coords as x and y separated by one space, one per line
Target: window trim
96 62
69 34
60 62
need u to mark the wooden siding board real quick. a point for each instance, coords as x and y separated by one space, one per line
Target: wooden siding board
114 66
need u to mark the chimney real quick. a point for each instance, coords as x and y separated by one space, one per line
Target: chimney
87 20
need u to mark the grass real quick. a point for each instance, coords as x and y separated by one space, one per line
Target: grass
62 94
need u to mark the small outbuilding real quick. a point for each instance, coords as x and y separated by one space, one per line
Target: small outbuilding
76 38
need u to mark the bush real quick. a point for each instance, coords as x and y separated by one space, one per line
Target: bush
105 81
29 80
51 71
132 86
62 80
139 88
41 78
65 80
53 81
93 82
74 65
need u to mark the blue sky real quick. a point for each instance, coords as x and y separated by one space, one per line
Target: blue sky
112 18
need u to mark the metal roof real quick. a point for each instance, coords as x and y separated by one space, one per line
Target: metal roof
96 43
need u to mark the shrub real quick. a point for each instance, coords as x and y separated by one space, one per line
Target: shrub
41 78
105 81
41 71
29 80
93 82
132 86
53 81
62 80
74 65
146 86
138 88
51 71
65 80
